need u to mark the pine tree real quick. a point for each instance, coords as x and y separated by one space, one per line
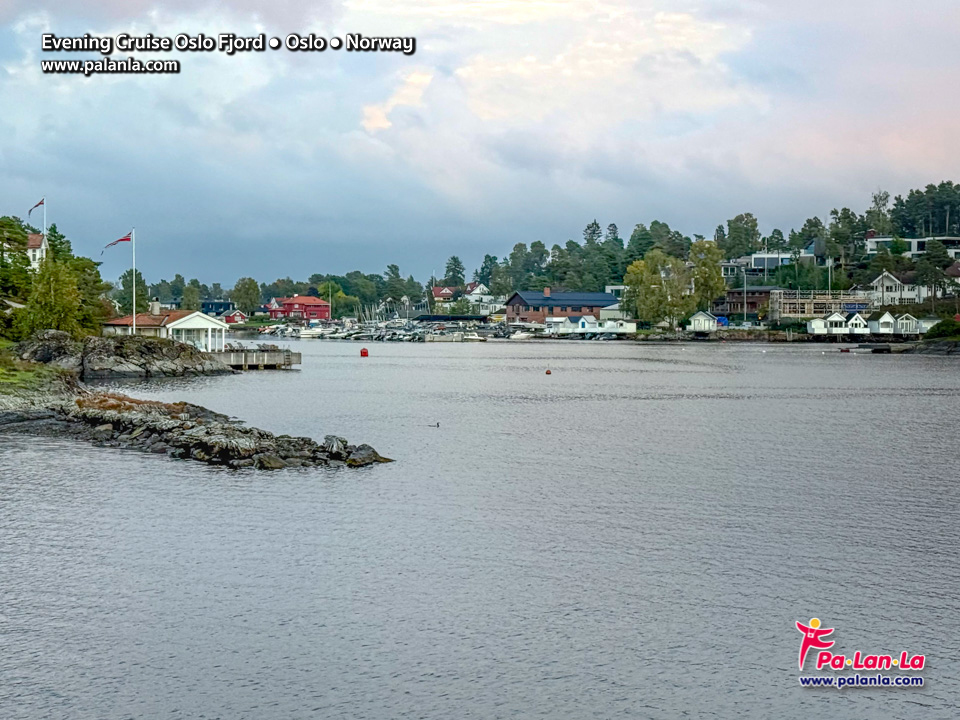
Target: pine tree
54 302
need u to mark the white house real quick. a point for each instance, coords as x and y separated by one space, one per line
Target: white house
924 324
888 289
907 324
915 246
817 326
702 322
187 326
857 324
36 249
836 324
617 327
882 323
481 299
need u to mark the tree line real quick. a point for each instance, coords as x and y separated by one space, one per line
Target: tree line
67 290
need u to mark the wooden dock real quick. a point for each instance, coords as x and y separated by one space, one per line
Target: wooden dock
259 359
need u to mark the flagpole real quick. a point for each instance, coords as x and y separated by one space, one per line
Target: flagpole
133 242
45 221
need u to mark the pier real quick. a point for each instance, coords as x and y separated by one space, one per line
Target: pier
261 358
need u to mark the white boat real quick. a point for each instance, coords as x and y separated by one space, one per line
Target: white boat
473 337
311 332
521 335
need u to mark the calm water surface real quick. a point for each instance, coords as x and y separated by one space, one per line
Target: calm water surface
632 536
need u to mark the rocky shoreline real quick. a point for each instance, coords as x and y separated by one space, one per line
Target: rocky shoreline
178 430
123 356
60 405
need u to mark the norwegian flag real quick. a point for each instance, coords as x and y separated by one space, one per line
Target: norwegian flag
126 238
35 206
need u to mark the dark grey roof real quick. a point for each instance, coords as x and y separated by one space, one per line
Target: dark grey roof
556 299
754 289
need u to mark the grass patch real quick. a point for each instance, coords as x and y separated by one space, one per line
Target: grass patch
16 374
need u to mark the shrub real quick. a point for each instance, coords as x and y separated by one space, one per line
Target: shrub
944 329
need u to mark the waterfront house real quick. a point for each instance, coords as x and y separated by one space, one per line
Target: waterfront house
36 249
299 307
702 322
217 307
617 327
881 323
836 324
187 326
907 324
237 317
535 307
857 324
890 289
443 295
817 326
482 301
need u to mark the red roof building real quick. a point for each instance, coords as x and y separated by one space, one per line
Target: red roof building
36 249
443 294
299 307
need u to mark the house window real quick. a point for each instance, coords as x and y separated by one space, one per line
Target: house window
576 309
536 308
563 309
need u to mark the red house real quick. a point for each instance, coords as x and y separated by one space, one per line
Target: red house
234 318
299 307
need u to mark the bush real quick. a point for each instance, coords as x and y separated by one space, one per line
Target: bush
944 329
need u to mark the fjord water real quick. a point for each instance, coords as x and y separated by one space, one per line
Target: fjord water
634 535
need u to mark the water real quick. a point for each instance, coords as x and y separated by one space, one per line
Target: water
632 536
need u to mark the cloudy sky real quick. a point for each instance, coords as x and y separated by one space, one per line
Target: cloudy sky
514 121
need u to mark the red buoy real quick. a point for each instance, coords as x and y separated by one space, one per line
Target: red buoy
364 352
548 372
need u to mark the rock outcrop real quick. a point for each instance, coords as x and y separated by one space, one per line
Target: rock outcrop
118 356
936 347
180 430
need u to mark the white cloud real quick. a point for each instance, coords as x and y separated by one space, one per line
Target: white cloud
410 93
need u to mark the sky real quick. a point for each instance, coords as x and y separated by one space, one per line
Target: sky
513 122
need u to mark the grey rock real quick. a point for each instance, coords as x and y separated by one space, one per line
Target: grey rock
364 455
268 461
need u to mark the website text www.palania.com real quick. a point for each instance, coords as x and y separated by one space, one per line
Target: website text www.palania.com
109 65
861 681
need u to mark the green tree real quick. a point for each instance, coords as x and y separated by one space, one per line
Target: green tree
396 288
461 306
124 293
878 216
59 247
54 302
813 230
94 306
639 244
246 294
482 275
455 273
15 275
591 233
657 288
176 287
708 282
500 283
743 236
191 298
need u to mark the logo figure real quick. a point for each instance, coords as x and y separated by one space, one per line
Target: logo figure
813 638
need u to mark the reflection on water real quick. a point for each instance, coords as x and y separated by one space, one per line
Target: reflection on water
633 535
